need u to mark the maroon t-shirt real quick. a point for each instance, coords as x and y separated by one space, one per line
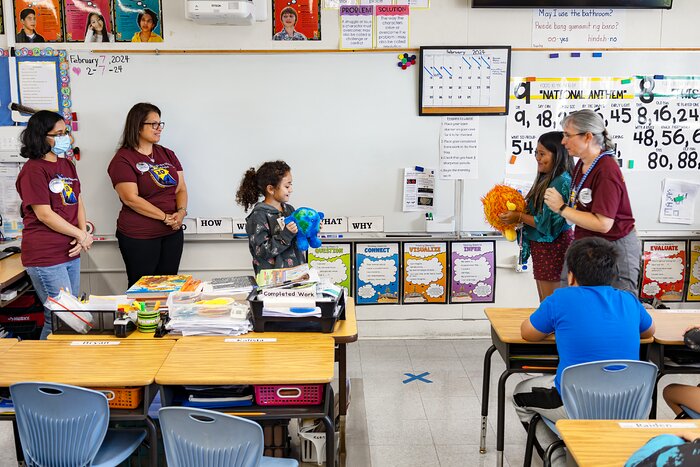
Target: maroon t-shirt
54 184
156 181
604 193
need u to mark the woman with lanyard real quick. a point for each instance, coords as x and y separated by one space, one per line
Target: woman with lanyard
599 204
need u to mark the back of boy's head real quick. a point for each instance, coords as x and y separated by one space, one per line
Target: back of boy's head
26 12
255 183
592 261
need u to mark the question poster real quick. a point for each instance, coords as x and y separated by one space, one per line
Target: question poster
693 294
425 272
663 270
377 273
332 262
473 272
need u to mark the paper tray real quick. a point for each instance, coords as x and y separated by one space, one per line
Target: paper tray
324 324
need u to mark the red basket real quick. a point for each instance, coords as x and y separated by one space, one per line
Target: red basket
292 394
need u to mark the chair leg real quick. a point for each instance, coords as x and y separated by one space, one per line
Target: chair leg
531 436
550 451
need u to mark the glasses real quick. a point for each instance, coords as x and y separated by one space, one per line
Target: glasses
567 135
65 133
155 125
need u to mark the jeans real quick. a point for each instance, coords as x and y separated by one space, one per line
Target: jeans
48 282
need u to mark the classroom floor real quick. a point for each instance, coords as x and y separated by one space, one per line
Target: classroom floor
418 424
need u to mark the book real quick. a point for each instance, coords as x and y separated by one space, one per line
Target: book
157 287
286 276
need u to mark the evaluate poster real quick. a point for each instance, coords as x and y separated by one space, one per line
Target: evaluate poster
473 272
332 262
425 272
693 294
663 270
377 273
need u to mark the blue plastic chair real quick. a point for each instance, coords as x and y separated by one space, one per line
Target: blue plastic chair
690 412
205 438
60 424
603 390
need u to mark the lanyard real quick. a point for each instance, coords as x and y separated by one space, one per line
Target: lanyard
574 193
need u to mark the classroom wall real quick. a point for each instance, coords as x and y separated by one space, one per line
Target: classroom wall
447 22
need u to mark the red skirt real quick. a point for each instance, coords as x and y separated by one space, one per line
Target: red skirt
548 258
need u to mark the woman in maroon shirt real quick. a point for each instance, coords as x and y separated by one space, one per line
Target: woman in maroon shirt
151 186
54 231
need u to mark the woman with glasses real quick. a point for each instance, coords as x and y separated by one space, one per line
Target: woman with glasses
599 204
54 231
545 233
151 186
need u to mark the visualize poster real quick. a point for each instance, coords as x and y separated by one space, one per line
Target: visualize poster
38 21
425 272
332 262
663 270
377 273
296 20
473 272
138 21
88 21
693 293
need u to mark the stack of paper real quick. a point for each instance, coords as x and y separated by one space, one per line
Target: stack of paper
238 287
106 302
221 316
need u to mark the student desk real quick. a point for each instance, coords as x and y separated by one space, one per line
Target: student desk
11 272
94 365
6 344
289 359
604 443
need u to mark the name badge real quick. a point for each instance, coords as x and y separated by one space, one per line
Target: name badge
142 167
56 185
586 196
280 222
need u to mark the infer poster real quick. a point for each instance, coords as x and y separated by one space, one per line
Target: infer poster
425 272
377 273
663 270
38 21
332 262
473 272
296 20
693 294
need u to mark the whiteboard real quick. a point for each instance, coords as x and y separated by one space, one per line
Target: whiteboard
347 125
644 187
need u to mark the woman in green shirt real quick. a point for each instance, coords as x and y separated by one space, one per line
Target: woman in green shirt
545 233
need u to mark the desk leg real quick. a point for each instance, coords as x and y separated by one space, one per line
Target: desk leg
153 441
341 357
654 395
18 444
501 417
485 397
328 421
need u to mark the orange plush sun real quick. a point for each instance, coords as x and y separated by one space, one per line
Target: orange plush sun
498 200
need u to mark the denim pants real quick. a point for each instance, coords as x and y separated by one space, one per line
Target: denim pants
48 282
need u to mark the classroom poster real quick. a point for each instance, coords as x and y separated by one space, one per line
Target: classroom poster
336 4
663 270
418 189
332 262
392 26
356 26
128 28
473 272
459 148
83 16
578 27
425 272
5 97
377 273
693 294
678 198
296 20
38 21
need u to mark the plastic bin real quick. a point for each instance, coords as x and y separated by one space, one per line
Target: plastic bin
331 312
102 322
313 446
292 394
122 398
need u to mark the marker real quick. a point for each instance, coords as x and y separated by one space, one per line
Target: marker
575 54
331 236
597 54
418 168
553 55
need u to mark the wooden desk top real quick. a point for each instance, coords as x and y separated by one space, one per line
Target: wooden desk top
11 269
292 359
671 326
603 443
127 364
6 344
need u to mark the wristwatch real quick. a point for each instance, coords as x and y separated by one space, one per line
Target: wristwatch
563 206
182 209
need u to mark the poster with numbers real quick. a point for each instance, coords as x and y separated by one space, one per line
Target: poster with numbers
425 272
663 270
693 294
654 121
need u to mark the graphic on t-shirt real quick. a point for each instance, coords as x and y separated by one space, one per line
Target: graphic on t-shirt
68 196
161 176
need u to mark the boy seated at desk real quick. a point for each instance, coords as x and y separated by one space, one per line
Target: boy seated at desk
591 320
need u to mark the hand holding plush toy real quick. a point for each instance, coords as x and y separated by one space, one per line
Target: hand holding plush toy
308 222
498 200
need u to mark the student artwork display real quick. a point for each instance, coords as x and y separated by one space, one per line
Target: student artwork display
678 198
332 262
38 21
473 272
138 21
653 119
377 273
663 270
693 293
89 21
296 20
425 272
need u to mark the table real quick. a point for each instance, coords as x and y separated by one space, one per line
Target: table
92 365
11 272
6 344
604 443
283 358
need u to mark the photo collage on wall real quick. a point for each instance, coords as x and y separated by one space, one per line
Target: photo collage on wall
40 21
670 270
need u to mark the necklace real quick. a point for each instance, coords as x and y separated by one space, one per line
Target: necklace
574 193
148 156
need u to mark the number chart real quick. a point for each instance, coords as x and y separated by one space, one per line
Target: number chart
464 80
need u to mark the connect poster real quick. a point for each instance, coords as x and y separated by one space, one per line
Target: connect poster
473 272
377 273
693 294
332 262
425 272
663 270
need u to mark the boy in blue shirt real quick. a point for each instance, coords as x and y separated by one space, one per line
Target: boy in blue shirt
592 321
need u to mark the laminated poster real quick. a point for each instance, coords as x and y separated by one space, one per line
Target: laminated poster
663 270
332 262
127 26
693 294
88 15
473 272
377 273
425 272
296 20
38 21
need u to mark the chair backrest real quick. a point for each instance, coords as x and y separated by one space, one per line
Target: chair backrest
59 424
209 439
690 412
608 390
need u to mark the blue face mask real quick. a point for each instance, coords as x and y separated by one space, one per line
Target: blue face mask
61 145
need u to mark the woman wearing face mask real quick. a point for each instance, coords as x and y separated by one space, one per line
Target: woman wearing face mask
96 30
54 215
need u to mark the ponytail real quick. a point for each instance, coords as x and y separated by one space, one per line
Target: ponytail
255 183
248 192
607 141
